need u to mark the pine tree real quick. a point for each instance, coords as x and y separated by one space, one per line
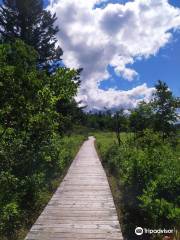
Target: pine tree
27 20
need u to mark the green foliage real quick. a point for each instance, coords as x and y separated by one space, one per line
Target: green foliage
147 172
31 153
10 219
121 124
165 106
98 121
28 21
141 118
70 112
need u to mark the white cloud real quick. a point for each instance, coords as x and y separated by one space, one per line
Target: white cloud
93 38
112 99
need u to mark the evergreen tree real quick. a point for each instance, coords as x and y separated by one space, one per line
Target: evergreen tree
27 20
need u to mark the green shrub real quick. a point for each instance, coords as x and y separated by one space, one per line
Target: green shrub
32 153
10 220
148 173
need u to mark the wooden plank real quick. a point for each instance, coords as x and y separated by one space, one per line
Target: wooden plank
82 207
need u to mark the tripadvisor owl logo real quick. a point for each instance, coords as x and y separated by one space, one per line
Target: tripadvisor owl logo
139 231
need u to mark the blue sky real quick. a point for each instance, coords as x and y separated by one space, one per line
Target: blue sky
176 3
107 40
164 66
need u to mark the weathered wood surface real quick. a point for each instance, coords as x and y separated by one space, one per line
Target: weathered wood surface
82 207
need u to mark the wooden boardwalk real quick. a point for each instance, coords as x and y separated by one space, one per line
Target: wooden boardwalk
82 207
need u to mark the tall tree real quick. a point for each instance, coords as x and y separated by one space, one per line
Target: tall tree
165 106
27 20
29 151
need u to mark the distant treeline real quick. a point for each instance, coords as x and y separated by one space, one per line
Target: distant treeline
160 115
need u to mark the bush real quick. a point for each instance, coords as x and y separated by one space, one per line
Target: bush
10 220
31 152
148 173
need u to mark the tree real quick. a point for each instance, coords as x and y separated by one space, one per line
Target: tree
141 118
164 106
28 99
120 124
29 123
71 113
27 20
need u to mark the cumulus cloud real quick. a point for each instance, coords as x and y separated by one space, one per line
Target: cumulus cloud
116 35
113 99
